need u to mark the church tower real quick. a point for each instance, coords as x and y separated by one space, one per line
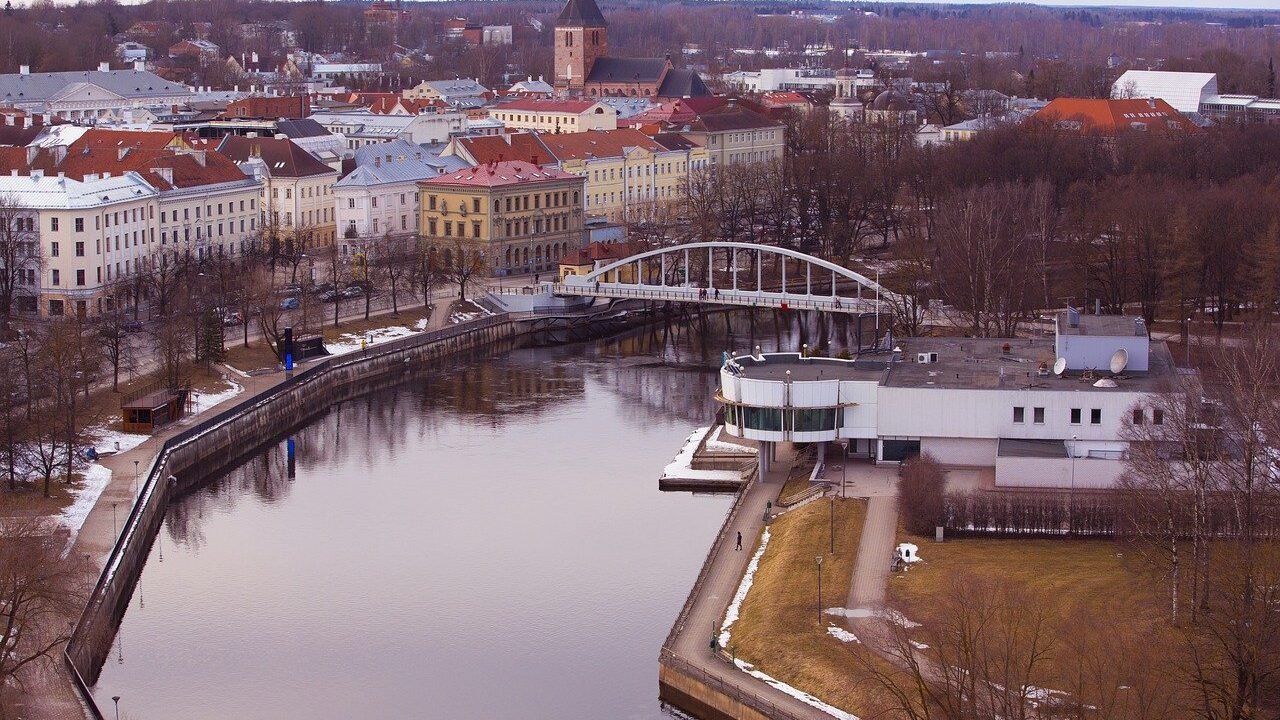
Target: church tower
581 38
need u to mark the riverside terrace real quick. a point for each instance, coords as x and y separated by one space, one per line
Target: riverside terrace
957 399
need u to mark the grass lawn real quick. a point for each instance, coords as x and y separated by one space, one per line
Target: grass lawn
28 499
258 356
1100 576
778 629
797 481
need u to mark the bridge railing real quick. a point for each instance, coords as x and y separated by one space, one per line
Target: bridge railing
752 298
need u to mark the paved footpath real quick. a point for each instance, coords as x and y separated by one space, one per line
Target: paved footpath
728 567
875 551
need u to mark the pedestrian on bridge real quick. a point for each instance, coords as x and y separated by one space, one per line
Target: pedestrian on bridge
739 547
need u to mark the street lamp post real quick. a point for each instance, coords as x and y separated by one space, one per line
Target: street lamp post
1188 348
1071 498
819 559
135 477
116 699
115 530
833 523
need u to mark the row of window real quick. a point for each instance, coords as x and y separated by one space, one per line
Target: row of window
208 210
373 201
1077 416
140 265
307 192
778 419
513 203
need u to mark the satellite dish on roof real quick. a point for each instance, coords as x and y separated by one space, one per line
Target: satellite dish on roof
1059 366
1119 361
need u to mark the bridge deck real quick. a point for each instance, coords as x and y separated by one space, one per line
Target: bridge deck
721 296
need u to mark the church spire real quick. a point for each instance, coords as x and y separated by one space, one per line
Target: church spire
580 13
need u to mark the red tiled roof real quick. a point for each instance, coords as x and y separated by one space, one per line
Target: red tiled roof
540 105
282 157
499 174
601 251
596 143
1113 116
494 148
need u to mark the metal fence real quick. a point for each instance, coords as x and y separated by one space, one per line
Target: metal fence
132 531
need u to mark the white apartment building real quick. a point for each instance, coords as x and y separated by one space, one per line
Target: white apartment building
361 127
89 96
94 236
380 197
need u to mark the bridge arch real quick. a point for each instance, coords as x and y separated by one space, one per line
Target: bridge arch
711 247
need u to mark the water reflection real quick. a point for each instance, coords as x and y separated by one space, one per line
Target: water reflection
486 541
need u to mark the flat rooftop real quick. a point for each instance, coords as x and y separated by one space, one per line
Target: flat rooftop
774 366
1101 325
983 364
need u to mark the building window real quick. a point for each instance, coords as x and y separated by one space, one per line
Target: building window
79 277
53 224
53 250
55 308
80 248
1157 416
79 224
1037 415
448 228
1095 416
431 202
1138 416
475 229
1075 416
1019 414
55 277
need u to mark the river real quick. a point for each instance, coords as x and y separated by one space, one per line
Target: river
486 541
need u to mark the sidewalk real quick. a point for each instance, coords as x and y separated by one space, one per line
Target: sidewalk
728 567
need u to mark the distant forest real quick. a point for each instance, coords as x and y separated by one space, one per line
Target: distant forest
1019 49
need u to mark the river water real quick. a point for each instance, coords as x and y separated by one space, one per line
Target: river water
486 541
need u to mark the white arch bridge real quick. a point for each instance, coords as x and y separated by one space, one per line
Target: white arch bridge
732 273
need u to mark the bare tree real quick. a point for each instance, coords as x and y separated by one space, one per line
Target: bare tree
20 255
394 263
463 266
40 590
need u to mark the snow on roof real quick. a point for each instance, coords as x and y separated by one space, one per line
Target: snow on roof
1183 90
57 193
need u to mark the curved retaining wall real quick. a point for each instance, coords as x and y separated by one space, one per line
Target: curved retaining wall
206 449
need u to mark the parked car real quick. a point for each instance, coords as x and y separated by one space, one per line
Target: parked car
131 325
352 291
323 288
231 318
289 303
330 296
290 290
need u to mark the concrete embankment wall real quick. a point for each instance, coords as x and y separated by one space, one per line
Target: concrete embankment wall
204 451
682 690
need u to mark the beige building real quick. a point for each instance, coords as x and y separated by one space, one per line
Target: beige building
295 189
735 135
515 216
555 116
94 235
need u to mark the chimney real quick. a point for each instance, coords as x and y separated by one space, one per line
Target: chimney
1151 102
104 67
1097 306
32 152
24 69
139 65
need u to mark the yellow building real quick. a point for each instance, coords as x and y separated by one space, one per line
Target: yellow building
555 116
516 216
598 255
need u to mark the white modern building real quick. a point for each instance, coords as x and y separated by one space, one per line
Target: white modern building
772 79
1185 91
1040 412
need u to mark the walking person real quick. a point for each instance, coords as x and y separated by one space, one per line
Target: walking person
739 547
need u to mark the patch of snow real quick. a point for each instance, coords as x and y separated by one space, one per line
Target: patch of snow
889 614
108 440
201 401
908 552
421 324
731 614
96 479
842 635
800 695
918 645
350 342
898 618
460 315
681 468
